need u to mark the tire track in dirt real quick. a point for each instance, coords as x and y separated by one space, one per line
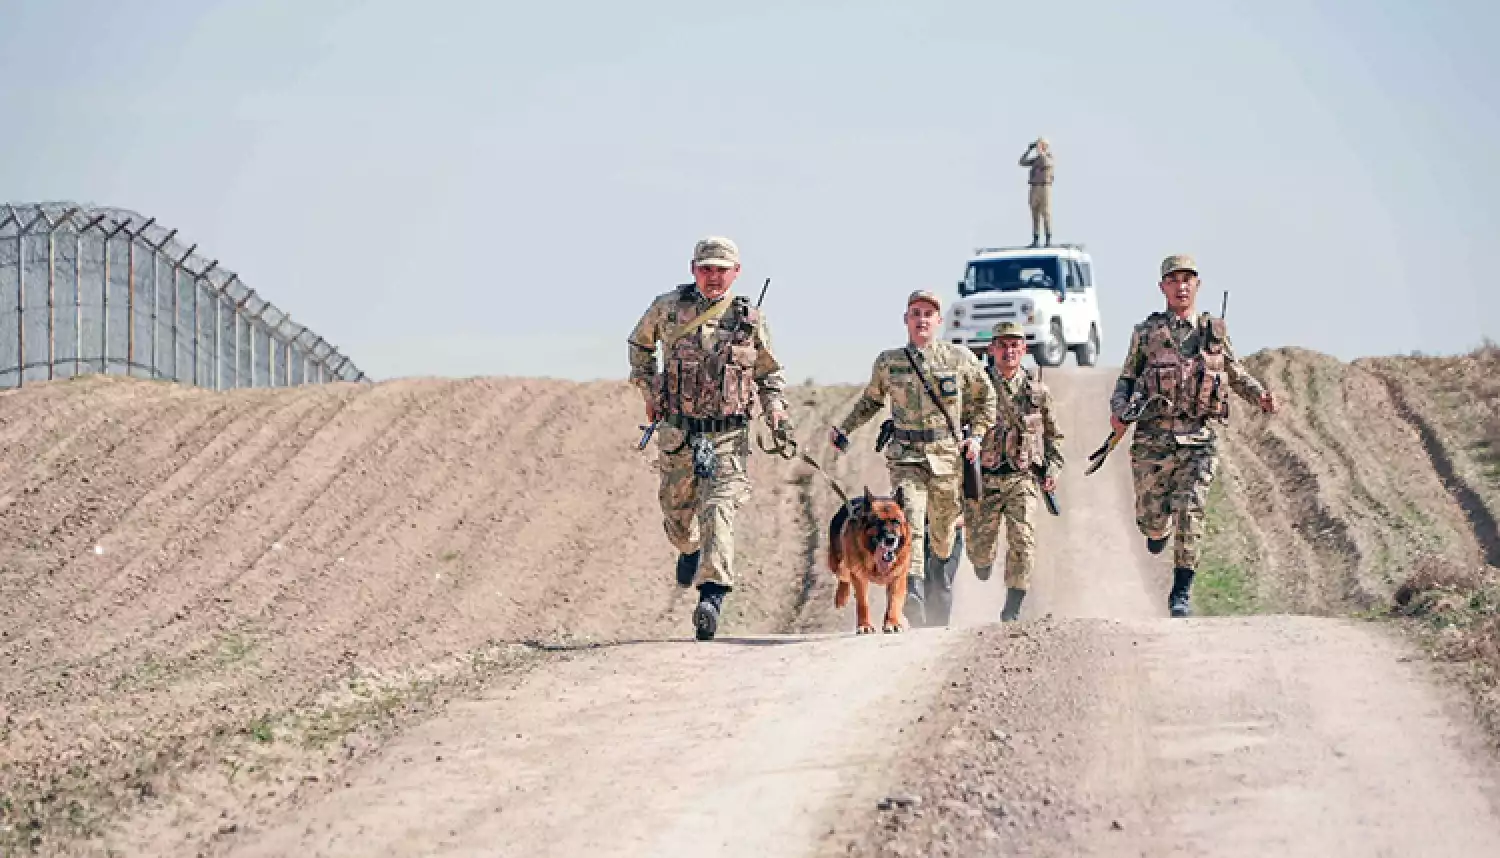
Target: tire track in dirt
1482 521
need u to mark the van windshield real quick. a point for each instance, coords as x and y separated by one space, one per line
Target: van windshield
1008 275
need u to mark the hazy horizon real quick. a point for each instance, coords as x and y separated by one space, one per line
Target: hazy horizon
502 189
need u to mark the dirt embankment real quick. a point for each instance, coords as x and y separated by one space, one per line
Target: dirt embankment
1327 506
208 600
1378 486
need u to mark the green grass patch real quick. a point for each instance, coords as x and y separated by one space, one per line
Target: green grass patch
1225 585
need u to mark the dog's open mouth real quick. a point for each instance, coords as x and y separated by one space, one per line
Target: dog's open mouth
884 558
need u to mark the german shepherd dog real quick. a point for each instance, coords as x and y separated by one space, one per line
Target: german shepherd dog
869 544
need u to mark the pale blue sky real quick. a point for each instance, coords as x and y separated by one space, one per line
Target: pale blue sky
466 189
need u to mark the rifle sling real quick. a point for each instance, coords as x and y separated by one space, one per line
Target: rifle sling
712 312
922 377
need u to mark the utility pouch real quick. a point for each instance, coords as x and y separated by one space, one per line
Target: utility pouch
705 459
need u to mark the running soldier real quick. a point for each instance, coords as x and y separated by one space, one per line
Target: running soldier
1177 374
924 458
1023 447
717 360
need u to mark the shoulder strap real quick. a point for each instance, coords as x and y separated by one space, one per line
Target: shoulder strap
922 377
712 312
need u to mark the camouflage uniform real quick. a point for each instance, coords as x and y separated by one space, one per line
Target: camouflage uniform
1190 364
708 385
923 456
1025 437
1040 180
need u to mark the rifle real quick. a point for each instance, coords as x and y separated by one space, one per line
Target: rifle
1134 410
971 470
650 430
1049 498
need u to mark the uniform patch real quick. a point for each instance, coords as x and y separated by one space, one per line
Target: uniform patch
947 385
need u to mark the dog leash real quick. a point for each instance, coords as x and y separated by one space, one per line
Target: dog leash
786 447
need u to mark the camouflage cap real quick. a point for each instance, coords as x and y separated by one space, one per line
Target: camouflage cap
924 295
1178 262
1008 329
716 251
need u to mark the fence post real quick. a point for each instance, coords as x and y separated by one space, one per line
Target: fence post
20 306
52 299
21 296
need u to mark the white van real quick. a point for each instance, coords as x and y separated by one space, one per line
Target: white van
1049 291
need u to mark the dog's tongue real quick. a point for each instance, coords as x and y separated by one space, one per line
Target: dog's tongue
884 559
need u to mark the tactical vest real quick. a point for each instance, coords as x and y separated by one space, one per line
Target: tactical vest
710 372
1195 385
1016 438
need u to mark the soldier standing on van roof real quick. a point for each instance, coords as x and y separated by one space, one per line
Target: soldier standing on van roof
1041 165
924 458
717 361
1182 368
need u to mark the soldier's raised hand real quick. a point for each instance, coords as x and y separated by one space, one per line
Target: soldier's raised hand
970 448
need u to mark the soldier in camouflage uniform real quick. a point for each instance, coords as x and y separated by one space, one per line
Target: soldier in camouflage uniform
1023 446
923 455
717 361
1184 367
1038 159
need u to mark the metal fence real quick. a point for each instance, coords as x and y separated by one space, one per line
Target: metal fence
86 289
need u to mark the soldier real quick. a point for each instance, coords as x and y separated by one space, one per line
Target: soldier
1182 367
717 359
922 452
1040 180
1023 446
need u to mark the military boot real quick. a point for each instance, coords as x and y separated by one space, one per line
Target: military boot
1180 600
1012 611
1156 544
710 607
916 602
687 569
1049 239
983 572
1036 240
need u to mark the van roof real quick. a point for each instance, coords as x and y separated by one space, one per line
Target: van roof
1073 251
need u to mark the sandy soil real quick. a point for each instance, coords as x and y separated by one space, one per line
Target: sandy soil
436 618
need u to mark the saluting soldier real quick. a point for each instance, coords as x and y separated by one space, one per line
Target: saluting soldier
1040 164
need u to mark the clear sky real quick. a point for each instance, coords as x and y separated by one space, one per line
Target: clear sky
500 188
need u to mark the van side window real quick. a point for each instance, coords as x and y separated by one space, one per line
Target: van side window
1088 274
1074 277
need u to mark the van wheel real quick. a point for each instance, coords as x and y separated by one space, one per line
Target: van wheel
1087 354
1052 350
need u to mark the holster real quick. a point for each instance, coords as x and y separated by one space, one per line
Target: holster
887 429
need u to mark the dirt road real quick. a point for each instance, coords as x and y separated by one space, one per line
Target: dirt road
1273 735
